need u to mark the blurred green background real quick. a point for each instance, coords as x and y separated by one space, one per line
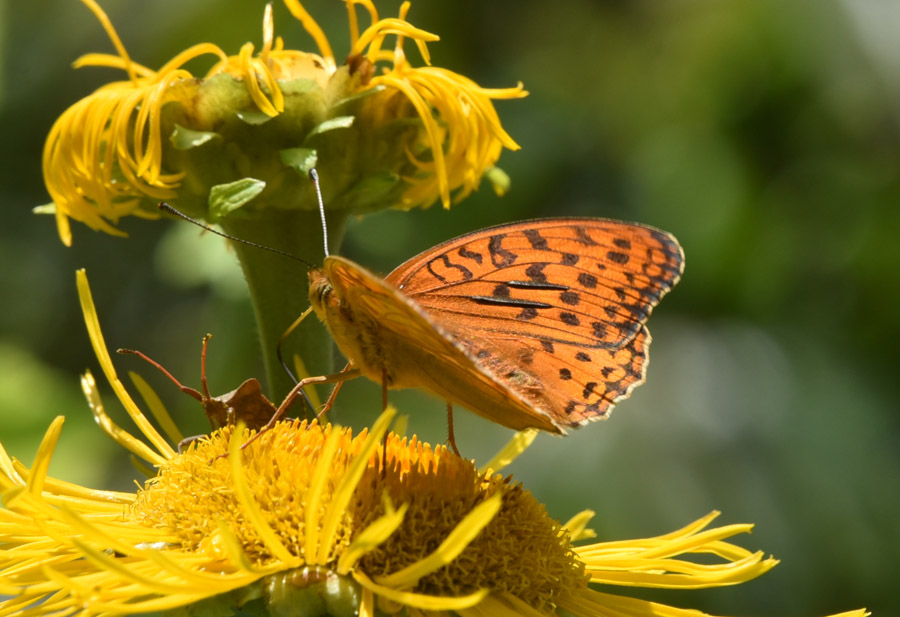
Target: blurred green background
764 134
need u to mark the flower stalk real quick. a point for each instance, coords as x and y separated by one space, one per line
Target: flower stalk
279 287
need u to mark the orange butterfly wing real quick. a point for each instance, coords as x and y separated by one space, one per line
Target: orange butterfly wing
532 324
387 336
559 301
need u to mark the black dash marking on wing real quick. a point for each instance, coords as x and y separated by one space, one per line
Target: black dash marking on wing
501 301
536 285
537 241
582 236
466 273
464 252
500 257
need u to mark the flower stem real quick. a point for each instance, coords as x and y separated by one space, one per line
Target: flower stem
279 286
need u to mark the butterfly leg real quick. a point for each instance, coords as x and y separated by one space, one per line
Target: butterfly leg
384 404
331 397
283 337
296 391
451 438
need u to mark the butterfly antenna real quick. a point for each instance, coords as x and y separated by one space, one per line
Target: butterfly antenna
314 176
171 210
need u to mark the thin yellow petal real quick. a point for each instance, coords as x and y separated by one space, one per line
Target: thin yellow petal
513 448
344 491
454 544
157 409
249 507
371 537
367 604
423 601
501 605
310 25
100 349
577 526
113 62
588 603
111 32
119 435
320 476
43 456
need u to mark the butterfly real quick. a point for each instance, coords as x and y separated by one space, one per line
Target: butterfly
535 324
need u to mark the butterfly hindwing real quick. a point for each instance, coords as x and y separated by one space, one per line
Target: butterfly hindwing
413 351
578 385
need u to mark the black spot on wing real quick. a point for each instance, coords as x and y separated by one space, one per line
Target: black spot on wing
536 272
569 297
617 257
528 313
569 318
586 280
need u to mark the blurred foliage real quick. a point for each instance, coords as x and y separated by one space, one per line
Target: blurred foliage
764 134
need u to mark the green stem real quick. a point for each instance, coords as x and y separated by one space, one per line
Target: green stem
279 286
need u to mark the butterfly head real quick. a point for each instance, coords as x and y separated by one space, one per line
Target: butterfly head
321 293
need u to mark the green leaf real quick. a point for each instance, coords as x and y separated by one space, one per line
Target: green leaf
499 179
359 95
301 159
253 117
226 198
185 139
45 209
370 193
340 122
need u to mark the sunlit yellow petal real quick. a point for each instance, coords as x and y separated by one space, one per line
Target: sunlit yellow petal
423 601
513 448
449 549
100 349
370 537
157 409
344 491
577 526
248 503
316 490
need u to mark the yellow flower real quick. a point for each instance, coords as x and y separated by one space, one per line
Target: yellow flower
249 130
307 520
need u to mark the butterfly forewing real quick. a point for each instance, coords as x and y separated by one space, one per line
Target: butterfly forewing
584 282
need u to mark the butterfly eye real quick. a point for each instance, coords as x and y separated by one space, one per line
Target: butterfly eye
319 290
